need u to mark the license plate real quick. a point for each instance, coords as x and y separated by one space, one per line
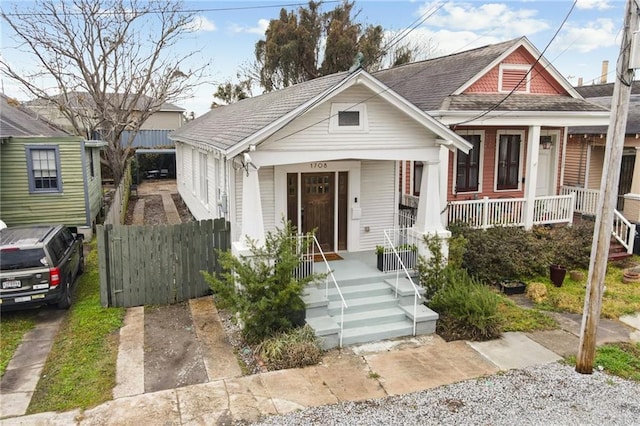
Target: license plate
23 299
12 284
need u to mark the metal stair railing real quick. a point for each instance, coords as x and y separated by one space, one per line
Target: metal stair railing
315 245
416 293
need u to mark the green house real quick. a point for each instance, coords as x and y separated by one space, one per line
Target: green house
46 174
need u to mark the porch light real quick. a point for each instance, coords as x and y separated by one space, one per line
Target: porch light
545 142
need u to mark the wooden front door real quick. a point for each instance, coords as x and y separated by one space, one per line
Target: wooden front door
318 207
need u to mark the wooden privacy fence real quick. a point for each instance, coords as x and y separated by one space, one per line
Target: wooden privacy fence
157 265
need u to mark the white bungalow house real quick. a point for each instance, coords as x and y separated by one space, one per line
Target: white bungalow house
325 155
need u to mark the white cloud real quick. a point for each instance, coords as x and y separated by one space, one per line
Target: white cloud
593 4
259 29
499 19
201 23
594 35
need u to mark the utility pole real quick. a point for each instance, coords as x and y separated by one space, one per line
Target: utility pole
608 193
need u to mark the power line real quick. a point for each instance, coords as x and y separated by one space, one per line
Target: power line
526 74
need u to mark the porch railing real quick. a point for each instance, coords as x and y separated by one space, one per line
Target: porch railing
624 231
553 209
406 218
487 212
308 248
586 199
398 259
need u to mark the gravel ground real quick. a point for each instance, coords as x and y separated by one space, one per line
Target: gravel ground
552 394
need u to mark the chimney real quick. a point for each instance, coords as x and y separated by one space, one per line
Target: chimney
580 81
605 71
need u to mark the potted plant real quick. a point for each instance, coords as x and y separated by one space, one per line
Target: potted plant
408 254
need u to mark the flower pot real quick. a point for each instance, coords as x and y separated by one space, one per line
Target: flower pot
557 274
509 287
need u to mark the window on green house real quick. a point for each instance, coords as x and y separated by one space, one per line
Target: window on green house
43 166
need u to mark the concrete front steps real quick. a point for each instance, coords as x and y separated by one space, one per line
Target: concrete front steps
373 313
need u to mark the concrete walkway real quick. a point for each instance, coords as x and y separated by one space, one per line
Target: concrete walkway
23 371
354 373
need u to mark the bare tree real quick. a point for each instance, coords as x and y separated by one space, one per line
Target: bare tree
112 63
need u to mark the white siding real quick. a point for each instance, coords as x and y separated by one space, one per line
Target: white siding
388 128
378 201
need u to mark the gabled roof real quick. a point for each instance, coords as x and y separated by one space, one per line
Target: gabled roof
601 94
83 100
428 83
232 128
438 84
16 121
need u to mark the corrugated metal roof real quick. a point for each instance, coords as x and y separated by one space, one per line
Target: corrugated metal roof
83 100
16 121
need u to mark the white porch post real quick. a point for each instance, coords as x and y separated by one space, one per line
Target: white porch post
252 221
531 181
632 199
428 220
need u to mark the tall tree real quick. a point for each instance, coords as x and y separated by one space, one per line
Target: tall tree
308 44
112 63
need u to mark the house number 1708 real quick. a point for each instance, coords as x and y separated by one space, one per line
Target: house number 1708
318 165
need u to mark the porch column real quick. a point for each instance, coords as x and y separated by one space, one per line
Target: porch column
531 174
252 221
428 220
632 199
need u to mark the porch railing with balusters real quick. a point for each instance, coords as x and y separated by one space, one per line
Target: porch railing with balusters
586 199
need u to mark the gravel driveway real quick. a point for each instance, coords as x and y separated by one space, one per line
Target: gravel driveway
552 394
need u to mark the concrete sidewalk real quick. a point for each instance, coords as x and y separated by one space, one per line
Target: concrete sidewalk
354 373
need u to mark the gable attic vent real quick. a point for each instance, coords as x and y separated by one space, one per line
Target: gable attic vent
514 77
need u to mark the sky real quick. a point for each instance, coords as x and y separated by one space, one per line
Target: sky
227 32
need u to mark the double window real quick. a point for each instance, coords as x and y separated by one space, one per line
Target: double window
43 167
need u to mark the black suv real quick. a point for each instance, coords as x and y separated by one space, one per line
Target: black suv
39 264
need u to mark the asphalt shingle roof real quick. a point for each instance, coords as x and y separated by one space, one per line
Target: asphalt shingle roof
427 84
519 102
601 94
16 121
225 126
83 100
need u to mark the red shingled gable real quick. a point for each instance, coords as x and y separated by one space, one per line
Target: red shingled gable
541 81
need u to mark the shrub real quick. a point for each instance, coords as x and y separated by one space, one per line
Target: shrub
431 271
467 308
262 289
293 349
537 292
515 253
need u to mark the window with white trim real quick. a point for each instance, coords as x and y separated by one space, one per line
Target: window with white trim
348 118
204 178
515 78
508 161
468 165
43 167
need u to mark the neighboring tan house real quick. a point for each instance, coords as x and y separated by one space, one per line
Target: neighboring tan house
512 105
46 175
586 148
153 132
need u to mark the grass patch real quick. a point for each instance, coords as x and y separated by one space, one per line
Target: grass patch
619 298
515 318
619 359
80 370
13 326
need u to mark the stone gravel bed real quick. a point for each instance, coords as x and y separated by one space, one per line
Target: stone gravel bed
552 394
